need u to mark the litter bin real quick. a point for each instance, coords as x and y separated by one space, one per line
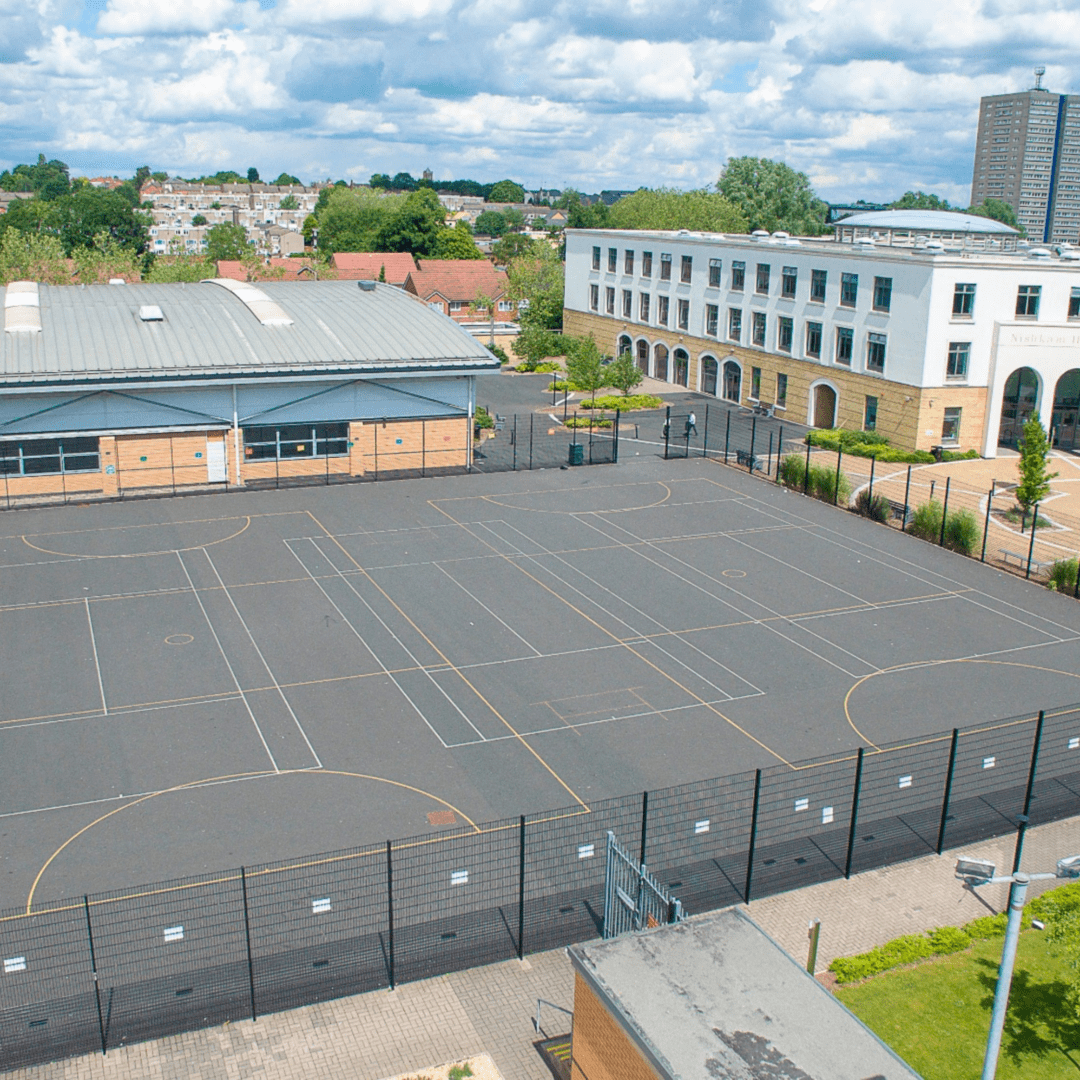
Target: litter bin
577 454
937 451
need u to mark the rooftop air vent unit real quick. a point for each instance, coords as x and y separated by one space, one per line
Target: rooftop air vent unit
117 281
151 313
366 286
1041 254
934 246
759 235
864 241
1070 255
780 236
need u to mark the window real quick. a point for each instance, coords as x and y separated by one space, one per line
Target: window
643 307
712 320
612 259
628 262
784 333
950 427
37 457
646 264
1027 301
788 281
687 268
813 340
714 273
869 421
758 332
596 257
845 339
882 293
963 301
738 276
594 297
875 352
458 305
508 305
665 267
627 304
849 289
755 383
818 278
662 310
734 324
296 440
781 390
1074 304
609 300
762 286
684 314
959 354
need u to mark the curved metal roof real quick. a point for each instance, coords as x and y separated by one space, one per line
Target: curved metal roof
938 221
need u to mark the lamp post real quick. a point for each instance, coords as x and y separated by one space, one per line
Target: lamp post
978 872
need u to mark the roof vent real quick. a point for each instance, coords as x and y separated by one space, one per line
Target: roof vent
1039 253
22 308
366 285
1070 255
117 281
151 313
780 235
934 246
759 235
864 241
267 311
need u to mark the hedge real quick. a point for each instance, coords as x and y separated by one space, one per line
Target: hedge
625 402
871 444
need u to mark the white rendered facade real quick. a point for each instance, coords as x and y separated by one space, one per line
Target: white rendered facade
936 366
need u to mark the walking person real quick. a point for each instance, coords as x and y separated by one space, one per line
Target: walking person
691 425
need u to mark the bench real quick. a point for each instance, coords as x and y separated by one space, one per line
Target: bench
900 512
762 409
743 458
1037 565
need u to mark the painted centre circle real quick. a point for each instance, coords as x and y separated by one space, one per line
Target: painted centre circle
179 639
733 573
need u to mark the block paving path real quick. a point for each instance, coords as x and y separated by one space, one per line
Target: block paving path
423 1024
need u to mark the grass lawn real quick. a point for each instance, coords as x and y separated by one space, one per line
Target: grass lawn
936 1015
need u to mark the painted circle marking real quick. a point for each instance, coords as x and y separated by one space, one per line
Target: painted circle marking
733 573
179 639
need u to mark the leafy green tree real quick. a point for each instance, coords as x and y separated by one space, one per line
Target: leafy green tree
77 218
29 256
352 219
403 181
584 365
199 219
161 177
997 210
514 218
179 267
142 174
47 179
665 208
535 344
771 195
490 223
919 200
379 180
1035 478
538 279
311 223
253 175
513 246
285 179
227 241
457 243
623 374
580 215
289 203
417 227
506 191
106 259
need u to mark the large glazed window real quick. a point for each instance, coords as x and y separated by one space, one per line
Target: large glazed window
296 441
42 457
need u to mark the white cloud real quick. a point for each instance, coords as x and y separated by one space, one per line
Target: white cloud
186 17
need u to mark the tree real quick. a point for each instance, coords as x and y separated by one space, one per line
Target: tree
289 203
584 365
28 256
253 175
379 180
537 278
47 179
77 218
403 181
514 218
623 373
105 260
513 246
457 243
506 191
535 345
581 215
665 208
417 227
1035 480
919 200
490 223
227 241
351 219
998 210
199 219
285 179
772 196
179 267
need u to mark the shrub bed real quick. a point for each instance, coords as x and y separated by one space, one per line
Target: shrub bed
871 444
875 507
625 402
1062 575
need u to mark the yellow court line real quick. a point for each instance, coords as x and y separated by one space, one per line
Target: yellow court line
538 491
457 671
141 554
158 524
494 500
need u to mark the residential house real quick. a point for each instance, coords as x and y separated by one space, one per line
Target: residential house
453 285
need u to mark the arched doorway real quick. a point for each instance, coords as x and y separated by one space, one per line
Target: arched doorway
1066 410
660 355
824 406
643 356
625 344
708 375
732 381
682 366
1019 402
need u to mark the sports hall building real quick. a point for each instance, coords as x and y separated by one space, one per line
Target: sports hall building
107 389
932 328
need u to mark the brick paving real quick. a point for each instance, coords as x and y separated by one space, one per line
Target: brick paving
423 1024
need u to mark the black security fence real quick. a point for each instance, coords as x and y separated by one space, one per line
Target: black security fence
547 441
117 967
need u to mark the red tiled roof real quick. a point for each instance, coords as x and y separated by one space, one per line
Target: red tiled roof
229 268
457 279
365 265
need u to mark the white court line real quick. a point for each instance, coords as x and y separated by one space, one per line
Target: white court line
114 713
255 646
477 600
221 649
97 663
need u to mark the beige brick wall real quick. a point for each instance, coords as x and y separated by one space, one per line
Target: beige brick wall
407 444
601 1048
147 461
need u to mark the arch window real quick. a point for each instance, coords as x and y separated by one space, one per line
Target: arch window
682 367
709 372
732 386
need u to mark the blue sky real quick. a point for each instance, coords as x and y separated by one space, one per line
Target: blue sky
869 98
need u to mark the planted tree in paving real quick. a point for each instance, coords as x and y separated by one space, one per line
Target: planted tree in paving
584 367
1035 478
623 374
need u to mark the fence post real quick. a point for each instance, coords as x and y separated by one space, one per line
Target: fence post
390 908
423 452
1031 545
705 439
1076 586
944 512
753 439
172 466
513 441
836 489
615 448
247 939
521 893
768 466
870 490
375 445
1023 822
907 492
986 524
93 972
727 435
644 823
753 836
779 451
854 814
531 418
667 431
806 469
948 791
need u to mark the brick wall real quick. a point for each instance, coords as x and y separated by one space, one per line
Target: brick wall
601 1048
398 445
157 461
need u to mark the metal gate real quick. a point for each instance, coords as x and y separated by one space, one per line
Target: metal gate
633 898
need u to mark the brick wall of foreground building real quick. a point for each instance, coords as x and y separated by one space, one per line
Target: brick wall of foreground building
601 1048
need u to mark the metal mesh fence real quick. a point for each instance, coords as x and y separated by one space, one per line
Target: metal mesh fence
121 966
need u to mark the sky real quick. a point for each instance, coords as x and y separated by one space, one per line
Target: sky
869 98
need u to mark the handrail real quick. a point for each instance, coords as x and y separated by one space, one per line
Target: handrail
550 1005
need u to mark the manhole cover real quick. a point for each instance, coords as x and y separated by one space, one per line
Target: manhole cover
441 817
